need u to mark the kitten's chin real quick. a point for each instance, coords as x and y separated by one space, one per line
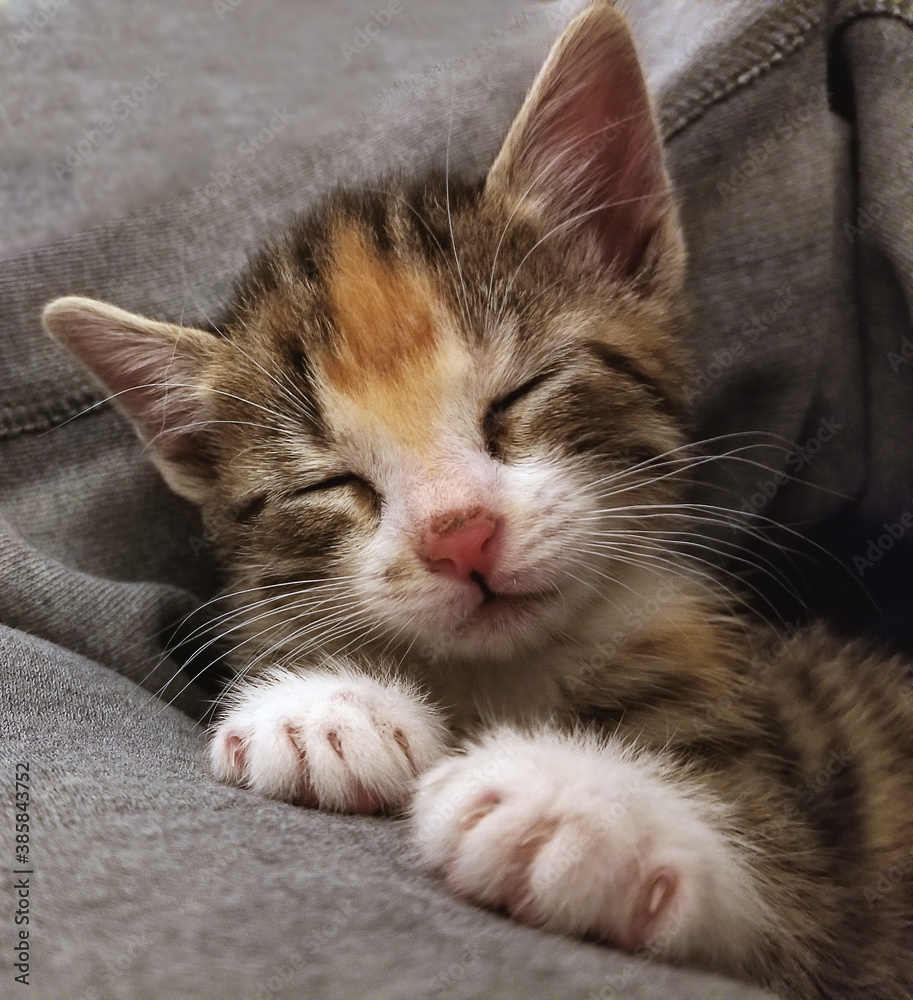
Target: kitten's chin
502 626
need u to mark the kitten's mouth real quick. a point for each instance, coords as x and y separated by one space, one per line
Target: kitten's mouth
495 602
488 595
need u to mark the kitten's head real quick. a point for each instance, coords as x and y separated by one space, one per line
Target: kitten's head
439 400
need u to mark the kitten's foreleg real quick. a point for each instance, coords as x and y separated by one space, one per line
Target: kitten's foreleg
590 838
333 738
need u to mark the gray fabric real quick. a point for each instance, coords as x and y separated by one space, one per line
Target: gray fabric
150 879
799 218
225 66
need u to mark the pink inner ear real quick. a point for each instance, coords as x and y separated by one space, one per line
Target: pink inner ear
617 173
152 372
156 382
586 145
151 382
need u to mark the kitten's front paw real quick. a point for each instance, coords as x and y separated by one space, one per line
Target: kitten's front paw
337 741
589 840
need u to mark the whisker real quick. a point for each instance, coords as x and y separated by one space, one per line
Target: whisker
234 649
722 517
209 624
764 566
315 584
645 552
521 201
708 582
456 256
243 673
168 385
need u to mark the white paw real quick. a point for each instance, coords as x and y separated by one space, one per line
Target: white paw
337 740
591 840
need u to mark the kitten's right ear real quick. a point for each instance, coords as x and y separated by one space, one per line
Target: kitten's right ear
154 373
584 154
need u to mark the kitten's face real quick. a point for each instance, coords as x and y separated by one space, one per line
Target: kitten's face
431 401
441 433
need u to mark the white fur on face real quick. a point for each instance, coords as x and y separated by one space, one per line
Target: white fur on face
542 500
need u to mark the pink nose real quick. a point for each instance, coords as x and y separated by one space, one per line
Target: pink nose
462 546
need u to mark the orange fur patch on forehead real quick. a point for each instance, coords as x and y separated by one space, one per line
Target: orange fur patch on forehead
392 333
384 314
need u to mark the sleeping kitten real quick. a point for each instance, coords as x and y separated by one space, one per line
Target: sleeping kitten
441 445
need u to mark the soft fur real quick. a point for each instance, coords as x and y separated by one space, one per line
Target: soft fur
440 443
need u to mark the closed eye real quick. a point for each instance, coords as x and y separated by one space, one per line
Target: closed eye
333 483
498 408
252 509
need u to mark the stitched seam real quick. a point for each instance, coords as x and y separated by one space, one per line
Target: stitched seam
32 418
767 42
902 9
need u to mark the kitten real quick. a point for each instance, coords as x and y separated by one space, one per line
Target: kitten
441 445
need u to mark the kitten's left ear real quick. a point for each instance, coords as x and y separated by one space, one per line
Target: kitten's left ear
585 155
155 374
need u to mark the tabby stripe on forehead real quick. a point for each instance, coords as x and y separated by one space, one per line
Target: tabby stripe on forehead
373 215
624 364
301 385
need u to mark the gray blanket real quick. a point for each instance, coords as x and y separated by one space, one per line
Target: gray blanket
788 129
